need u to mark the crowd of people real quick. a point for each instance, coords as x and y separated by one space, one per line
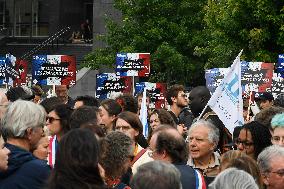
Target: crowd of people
58 142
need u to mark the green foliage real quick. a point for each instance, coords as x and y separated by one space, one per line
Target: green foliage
253 25
168 29
185 37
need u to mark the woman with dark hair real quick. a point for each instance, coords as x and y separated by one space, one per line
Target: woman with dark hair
253 138
130 124
109 110
160 117
57 122
77 162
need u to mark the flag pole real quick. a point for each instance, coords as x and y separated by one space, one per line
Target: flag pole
249 106
202 112
133 85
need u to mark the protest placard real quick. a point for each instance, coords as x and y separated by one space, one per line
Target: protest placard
133 64
54 70
108 83
256 76
12 71
157 93
214 77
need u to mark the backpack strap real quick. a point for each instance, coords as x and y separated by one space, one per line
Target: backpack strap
205 116
138 156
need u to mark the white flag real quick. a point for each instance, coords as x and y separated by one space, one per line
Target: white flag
144 114
227 101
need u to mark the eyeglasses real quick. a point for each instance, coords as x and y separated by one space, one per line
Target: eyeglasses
244 143
51 119
279 172
183 95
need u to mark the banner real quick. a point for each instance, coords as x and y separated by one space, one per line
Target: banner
277 85
12 71
256 76
22 69
214 78
157 92
133 64
54 70
227 101
108 83
280 65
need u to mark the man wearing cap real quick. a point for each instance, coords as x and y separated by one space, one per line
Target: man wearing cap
265 100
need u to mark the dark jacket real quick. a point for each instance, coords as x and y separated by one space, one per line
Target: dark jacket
186 117
70 102
189 177
24 170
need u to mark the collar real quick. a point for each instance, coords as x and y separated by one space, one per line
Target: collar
112 182
216 162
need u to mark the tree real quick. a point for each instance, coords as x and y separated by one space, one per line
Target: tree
168 29
257 26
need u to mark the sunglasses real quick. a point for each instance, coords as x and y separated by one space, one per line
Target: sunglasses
51 119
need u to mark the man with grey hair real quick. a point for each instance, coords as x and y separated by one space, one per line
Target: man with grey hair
203 138
22 126
156 175
271 165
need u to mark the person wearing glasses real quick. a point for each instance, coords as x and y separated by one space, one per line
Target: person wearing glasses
177 99
277 124
253 138
58 124
271 164
130 124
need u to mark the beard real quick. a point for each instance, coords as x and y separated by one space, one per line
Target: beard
182 105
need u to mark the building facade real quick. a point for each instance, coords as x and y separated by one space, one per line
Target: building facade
34 18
